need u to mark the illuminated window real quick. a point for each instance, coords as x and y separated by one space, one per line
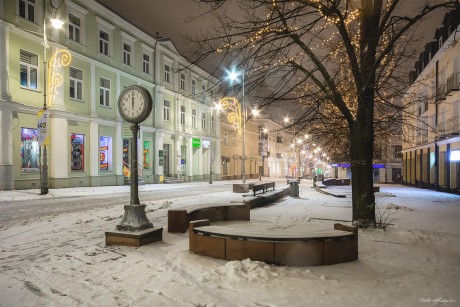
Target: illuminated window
29 150
105 153
146 155
77 152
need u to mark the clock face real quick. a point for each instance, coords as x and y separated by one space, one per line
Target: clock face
134 104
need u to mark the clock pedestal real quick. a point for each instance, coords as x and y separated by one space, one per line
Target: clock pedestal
135 229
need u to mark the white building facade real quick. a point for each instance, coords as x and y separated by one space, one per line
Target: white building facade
431 150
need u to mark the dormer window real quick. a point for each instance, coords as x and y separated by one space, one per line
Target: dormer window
440 42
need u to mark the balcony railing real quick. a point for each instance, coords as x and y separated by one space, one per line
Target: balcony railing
452 125
441 92
452 83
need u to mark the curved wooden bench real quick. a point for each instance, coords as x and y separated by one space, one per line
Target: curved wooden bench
282 248
178 219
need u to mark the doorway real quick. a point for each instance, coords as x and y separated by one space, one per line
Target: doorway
166 160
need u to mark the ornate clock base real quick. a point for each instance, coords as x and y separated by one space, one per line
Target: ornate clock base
134 219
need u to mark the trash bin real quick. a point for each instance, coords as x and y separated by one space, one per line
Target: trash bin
294 188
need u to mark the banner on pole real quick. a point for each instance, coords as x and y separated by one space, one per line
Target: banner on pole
42 124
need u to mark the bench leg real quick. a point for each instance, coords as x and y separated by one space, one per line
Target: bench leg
177 221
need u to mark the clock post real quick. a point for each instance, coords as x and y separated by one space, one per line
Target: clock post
135 229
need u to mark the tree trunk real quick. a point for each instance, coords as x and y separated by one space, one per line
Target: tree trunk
362 143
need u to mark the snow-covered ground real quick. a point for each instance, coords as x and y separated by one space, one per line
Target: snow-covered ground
63 261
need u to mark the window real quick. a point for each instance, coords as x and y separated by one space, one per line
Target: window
76 83
28 69
103 42
145 63
29 150
77 152
213 123
182 115
193 87
27 9
127 54
203 121
398 151
182 81
104 92
167 74
146 155
105 153
74 28
203 88
166 110
226 138
194 118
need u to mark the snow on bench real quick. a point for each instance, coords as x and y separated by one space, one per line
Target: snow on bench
178 219
304 248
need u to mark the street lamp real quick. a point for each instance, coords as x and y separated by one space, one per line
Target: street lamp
287 120
210 142
233 76
57 24
263 145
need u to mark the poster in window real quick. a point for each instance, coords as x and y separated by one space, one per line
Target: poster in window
145 155
104 153
77 150
29 150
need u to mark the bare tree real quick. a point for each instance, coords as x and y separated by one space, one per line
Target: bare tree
340 61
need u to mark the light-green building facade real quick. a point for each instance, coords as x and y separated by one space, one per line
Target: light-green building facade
89 143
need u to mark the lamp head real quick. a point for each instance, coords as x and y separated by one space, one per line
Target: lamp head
56 23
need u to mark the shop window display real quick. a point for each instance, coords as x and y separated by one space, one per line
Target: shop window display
29 150
77 152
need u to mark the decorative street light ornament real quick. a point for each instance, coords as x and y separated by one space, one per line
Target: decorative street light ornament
60 59
232 105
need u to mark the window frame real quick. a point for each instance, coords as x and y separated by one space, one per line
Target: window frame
29 68
193 86
167 73
194 115
203 121
106 93
145 64
182 81
166 110
76 82
27 14
182 115
104 26
74 29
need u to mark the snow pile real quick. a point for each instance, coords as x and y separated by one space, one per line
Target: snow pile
247 270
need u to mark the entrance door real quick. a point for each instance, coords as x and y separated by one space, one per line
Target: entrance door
166 160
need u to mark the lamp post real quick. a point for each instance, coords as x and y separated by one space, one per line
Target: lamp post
233 76
263 152
57 24
286 120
